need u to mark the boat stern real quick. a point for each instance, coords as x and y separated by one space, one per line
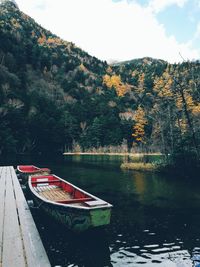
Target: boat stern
100 216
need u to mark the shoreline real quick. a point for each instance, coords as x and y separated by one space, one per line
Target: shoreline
139 165
111 154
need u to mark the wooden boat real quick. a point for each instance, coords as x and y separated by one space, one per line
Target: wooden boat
31 169
68 204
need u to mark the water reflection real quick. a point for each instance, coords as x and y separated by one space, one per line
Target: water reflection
155 219
65 248
140 184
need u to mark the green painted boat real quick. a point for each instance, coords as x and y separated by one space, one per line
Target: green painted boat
68 204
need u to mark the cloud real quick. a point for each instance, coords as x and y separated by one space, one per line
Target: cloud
109 30
159 5
31 6
197 33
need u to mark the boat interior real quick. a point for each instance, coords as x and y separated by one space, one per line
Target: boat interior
33 169
27 168
54 189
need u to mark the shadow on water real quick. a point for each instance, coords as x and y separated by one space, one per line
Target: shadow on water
65 248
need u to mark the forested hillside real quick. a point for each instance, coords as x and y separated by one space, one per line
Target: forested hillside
54 96
167 113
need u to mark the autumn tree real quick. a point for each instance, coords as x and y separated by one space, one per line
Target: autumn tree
186 105
139 126
115 82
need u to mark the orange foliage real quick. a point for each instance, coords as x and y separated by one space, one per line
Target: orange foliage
196 109
140 122
82 67
15 23
140 88
54 40
188 99
163 85
115 81
42 39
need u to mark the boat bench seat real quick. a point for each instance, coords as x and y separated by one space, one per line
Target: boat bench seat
45 181
76 200
96 203
45 188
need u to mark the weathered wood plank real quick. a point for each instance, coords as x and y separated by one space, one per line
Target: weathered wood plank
34 251
2 206
20 243
55 194
13 250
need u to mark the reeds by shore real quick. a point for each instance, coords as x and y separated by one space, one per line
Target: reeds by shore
139 166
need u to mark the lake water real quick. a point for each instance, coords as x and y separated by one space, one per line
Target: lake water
155 219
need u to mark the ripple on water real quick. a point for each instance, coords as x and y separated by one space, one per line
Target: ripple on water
151 233
151 246
196 249
135 247
168 244
181 258
152 255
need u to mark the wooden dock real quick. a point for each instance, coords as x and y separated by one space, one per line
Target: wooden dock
20 243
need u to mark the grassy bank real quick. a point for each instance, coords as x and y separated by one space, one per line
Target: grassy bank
131 155
139 166
133 161
144 162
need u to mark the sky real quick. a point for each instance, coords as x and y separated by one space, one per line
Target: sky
119 30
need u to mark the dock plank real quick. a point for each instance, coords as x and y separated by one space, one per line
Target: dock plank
35 252
11 231
20 243
2 207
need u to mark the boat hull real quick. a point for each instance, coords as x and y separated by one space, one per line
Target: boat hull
76 219
25 171
32 170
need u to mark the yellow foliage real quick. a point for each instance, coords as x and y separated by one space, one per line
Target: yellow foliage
179 103
183 125
121 89
140 122
51 40
140 88
115 81
141 79
15 23
82 67
107 80
163 85
134 73
54 40
42 39
196 109
189 102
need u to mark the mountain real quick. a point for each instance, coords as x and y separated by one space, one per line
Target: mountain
54 96
50 87
11 1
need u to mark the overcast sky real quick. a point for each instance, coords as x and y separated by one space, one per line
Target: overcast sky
123 29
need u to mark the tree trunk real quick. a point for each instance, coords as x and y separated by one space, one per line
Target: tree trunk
171 129
190 124
189 120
